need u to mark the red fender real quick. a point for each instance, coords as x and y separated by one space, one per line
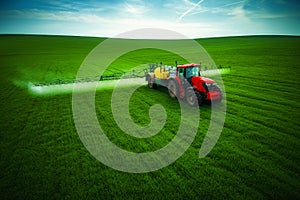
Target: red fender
181 92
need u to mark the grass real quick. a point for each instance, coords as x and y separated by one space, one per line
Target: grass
257 155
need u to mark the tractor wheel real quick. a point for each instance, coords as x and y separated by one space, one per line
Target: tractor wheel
191 98
172 87
199 98
151 83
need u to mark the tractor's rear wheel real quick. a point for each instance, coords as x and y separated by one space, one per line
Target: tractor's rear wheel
172 87
151 83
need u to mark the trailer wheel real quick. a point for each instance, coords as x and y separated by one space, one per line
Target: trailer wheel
172 87
151 83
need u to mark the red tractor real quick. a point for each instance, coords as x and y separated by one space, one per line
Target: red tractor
185 82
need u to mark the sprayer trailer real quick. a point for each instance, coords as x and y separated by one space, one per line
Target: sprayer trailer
185 82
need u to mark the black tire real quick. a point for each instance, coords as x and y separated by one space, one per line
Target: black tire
191 97
173 89
151 83
200 98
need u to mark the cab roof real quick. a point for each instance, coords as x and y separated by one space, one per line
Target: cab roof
188 65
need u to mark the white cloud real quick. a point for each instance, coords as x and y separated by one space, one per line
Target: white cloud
225 9
190 10
133 7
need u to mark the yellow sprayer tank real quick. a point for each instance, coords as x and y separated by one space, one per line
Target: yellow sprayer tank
160 73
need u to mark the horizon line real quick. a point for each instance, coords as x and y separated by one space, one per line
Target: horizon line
105 37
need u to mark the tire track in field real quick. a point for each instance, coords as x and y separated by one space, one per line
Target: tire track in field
263 109
257 163
285 91
267 79
265 151
275 139
267 119
267 98
273 86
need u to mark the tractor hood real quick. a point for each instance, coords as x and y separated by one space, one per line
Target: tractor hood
200 79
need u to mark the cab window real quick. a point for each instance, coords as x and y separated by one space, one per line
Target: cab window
180 72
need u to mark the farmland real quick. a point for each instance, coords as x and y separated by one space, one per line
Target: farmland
257 155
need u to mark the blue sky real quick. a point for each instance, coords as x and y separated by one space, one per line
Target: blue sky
193 18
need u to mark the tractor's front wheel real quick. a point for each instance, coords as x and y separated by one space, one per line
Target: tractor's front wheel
191 97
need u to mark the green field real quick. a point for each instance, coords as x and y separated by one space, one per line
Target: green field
256 157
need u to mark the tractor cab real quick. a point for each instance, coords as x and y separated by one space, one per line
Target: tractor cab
188 71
